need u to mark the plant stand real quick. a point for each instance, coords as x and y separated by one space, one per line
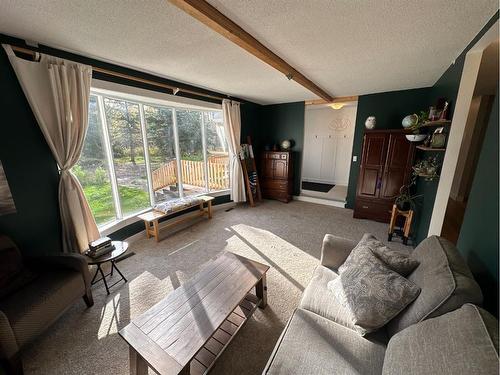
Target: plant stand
404 232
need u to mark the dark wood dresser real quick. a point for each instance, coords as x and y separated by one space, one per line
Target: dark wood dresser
276 175
386 164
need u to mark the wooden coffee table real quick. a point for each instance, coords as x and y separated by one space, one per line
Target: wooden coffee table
188 330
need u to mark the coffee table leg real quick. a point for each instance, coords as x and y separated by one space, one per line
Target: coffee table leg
138 365
261 291
186 370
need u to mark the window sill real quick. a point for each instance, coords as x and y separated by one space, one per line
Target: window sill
113 226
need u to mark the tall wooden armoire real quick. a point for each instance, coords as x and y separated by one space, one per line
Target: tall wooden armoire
276 175
386 164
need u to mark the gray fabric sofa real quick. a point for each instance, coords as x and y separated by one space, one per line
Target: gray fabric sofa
55 282
441 332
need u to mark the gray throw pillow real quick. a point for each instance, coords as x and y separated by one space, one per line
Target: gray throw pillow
397 261
372 293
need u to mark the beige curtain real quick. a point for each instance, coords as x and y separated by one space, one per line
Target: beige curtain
58 92
232 128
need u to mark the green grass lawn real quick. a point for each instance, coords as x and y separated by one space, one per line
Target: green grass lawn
101 201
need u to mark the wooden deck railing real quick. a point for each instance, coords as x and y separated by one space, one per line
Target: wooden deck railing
193 173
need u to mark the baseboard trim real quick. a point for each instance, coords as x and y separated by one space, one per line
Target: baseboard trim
142 234
326 202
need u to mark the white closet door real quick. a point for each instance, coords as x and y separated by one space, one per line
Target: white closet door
328 158
312 160
343 159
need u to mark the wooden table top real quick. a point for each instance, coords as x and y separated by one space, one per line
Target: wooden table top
170 334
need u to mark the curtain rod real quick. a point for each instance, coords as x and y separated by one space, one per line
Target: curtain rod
112 73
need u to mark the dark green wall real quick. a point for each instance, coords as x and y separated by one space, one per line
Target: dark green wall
478 240
389 108
251 115
286 121
271 124
30 169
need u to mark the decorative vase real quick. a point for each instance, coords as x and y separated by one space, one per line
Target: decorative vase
410 120
286 145
370 122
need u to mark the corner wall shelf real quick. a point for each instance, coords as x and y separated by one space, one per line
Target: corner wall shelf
424 148
436 123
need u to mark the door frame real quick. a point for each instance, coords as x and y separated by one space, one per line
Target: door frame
314 106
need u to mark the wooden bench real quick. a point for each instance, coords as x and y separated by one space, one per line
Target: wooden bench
151 219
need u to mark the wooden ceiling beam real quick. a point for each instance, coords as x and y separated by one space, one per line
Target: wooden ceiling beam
211 17
339 99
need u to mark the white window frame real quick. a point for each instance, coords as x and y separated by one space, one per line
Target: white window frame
141 97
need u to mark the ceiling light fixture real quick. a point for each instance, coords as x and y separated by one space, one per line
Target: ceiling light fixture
337 105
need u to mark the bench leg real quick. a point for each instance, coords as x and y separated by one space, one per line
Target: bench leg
156 231
209 207
146 223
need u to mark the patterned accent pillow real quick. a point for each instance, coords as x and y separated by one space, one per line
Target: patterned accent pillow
372 293
396 260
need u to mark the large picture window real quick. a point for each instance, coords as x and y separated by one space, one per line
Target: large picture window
138 153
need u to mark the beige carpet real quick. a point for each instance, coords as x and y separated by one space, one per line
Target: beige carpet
285 236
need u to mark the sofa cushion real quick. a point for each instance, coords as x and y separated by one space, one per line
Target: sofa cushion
37 305
320 300
397 261
372 293
331 349
459 342
445 280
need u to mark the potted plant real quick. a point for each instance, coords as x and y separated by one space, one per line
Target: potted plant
405 201
427 168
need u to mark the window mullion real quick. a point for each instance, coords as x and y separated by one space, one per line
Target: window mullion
204 143
177 153
109 157
146 154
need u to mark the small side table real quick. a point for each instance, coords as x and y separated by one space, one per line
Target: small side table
120 249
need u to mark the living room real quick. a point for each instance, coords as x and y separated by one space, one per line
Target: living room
249 187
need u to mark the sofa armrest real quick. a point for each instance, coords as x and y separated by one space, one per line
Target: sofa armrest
76 262
8 342
335 250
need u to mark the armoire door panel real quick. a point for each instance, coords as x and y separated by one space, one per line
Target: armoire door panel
372 164
391 184
375 150
370 177
398 162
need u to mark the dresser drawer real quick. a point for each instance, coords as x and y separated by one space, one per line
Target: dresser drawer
275 184
280 195
374 210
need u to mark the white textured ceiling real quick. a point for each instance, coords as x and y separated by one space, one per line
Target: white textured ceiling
347 47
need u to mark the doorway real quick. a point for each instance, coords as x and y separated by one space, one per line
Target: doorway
328 138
